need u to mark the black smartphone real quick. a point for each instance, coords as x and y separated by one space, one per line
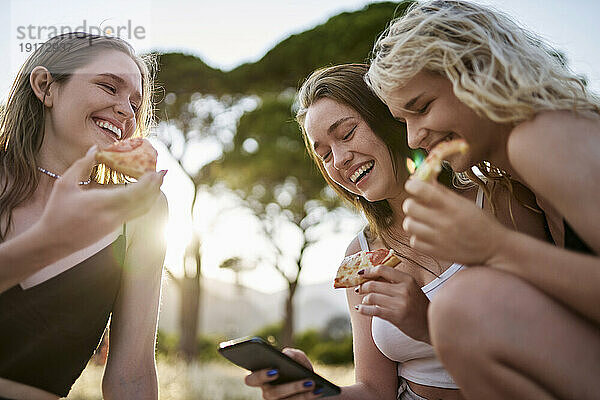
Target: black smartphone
253 354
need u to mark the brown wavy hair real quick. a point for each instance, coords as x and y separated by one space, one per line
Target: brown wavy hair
345 84
22 117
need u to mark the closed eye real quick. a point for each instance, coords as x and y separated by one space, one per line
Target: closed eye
108 87
423 110
350 133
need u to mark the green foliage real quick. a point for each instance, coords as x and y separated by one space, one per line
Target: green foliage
333 351
279 162
271 333
307 340
347 37
207 347
344 38
168 345
319 347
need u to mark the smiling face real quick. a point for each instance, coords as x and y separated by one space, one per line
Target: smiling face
96 105
352 155
434 114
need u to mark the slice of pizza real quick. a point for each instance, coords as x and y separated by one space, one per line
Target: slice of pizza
132 157
347 274
432 166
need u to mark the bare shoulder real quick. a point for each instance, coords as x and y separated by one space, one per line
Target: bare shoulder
556 156
561 143
353 247
550 131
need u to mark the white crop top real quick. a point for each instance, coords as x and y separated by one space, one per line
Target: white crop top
416 360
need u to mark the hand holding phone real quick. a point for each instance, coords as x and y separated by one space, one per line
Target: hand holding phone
254 354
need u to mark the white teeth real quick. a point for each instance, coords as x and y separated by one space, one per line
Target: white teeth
109 126
359 171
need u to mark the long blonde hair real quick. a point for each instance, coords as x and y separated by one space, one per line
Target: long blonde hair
496 67
22 117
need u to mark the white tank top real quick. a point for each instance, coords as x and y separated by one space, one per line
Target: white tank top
416 360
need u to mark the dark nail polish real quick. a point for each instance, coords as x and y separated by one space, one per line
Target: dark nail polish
356 289
308 384
356 308
318 390
272 372
361 272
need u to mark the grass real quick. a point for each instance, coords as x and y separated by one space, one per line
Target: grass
198 381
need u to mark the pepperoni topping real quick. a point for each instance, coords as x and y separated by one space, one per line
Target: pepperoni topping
378 256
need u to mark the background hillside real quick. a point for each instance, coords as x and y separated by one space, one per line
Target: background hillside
347 37
235 311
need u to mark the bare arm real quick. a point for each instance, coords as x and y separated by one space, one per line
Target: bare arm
558 156
376 376
64 226
131 370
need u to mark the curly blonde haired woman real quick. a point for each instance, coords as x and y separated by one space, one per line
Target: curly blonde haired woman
525 319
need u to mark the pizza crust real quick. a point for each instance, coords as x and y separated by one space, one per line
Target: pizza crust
432 166
132 157
347 274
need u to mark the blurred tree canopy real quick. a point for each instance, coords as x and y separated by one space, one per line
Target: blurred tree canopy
344 38
264 161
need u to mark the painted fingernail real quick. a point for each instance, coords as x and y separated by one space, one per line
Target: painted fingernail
92 149
272 372
318 390
356 289
361 272
308 384
356 308
405 224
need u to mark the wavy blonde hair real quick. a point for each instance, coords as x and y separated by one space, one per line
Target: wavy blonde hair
22 117
496 67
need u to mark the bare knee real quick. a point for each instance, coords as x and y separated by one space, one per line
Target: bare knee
462 312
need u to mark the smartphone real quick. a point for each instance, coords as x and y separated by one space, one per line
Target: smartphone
253 354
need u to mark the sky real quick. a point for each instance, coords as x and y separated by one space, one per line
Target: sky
227 33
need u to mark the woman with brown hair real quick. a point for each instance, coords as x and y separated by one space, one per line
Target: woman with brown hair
361 151
77 246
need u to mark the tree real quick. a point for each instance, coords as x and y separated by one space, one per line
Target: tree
237 266
270 170
265 160
196 121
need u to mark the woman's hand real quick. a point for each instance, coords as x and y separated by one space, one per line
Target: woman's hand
304 389
77 217
447 226
395 296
